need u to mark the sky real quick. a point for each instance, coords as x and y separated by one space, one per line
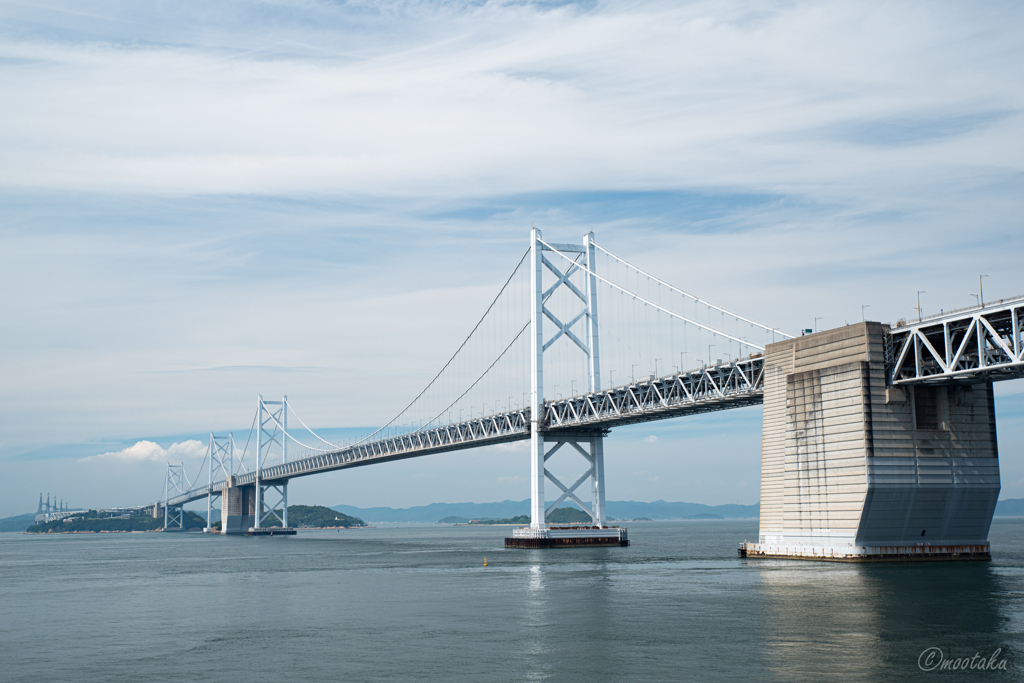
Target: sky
201 202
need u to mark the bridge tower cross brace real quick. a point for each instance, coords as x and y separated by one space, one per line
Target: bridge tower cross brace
221 463
272 418
590 446
177 481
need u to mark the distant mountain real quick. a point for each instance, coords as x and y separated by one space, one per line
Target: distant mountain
18 522
563 515
429 514
1011 507
659 509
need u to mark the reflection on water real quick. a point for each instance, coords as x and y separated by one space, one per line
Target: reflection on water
864 620
416 603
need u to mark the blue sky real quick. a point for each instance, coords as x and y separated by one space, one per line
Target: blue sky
200 202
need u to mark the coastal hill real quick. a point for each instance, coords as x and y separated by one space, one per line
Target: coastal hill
618 509
91 522
317 516
300 516
505 510
509 509
565 515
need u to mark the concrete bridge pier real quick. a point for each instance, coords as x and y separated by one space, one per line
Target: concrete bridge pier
238 508
854 469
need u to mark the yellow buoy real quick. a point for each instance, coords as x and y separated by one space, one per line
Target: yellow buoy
485 561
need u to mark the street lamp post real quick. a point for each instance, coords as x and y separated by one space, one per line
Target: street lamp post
981 291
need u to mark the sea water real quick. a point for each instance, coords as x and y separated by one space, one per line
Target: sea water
416 603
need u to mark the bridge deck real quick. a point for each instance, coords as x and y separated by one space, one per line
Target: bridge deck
981 344
969 346
720 387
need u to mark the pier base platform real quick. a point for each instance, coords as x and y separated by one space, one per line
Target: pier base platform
568 537
852 553
270 531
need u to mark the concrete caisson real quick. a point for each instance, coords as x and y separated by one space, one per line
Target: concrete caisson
855 470
238 508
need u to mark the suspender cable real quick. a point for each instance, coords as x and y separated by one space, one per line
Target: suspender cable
461 346
640 298
691 296
481 376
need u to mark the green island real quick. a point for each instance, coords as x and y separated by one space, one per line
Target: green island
93 522
317 517
299 516
566 515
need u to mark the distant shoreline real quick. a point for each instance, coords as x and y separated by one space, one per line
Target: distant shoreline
98 531
187 531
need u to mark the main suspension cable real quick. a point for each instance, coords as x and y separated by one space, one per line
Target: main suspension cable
461 346
308 429
285 432
500 355
244 470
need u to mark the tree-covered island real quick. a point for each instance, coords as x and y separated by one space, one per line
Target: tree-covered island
92 521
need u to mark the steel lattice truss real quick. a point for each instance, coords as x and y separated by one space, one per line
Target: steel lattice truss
482 431
980 344
730 385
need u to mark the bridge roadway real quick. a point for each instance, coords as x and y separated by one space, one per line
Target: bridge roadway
720 387
983 343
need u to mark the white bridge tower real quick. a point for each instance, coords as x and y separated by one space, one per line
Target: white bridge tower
582 330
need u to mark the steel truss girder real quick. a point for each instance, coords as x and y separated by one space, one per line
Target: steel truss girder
721 387
980 344
493 429
713 388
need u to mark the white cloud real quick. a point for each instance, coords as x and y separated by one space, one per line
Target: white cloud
147 451
869 135
513 97
651 439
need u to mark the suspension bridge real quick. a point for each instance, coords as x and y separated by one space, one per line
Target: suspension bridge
577 315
